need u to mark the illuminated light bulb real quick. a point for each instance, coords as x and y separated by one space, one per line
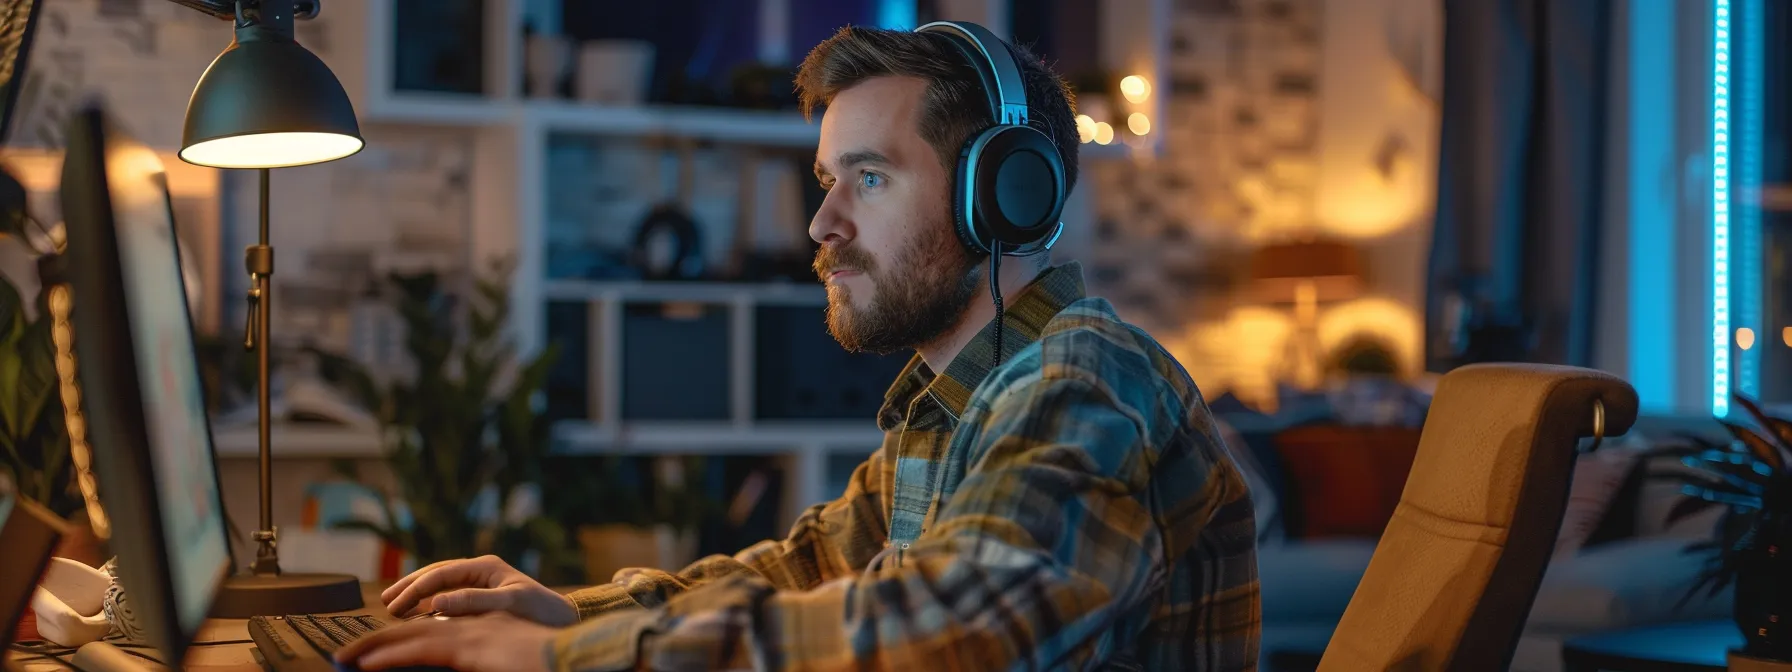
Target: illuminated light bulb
1104 133
1745 338
1138 123
1135 88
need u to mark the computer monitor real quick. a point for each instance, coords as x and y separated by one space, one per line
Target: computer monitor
18 22
140 385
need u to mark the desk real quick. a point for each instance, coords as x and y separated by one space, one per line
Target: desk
222 644
1680 647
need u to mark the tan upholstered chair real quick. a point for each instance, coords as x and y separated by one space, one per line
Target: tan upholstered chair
1453 577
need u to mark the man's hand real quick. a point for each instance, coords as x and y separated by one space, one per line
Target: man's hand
497 642
477 586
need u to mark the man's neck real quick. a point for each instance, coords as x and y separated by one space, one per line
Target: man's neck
1016 274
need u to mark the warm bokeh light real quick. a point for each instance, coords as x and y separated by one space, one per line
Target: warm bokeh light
1136 89
40 170
1786 335
1138 123
1241 352
1745 338
1104 133
1395 324
1085 128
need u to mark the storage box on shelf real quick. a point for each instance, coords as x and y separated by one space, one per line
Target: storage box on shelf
768 381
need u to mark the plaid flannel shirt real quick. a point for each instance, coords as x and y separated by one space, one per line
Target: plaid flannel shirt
1076 510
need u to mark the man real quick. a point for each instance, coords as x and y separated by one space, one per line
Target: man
1071 508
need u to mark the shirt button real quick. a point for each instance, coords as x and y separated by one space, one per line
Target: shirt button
905 546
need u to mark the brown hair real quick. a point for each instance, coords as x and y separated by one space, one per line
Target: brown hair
955 106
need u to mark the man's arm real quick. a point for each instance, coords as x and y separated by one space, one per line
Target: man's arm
825 543
1049 539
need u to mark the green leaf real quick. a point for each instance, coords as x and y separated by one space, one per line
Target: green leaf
348 375
38 383
12 313
1776 427
1760 447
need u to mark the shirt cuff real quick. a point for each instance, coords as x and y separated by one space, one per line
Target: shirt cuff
610 643
602 599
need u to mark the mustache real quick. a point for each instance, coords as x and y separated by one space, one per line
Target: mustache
833 258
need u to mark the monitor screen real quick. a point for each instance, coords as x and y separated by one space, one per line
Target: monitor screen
168 373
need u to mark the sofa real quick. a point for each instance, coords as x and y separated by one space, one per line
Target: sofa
1618 563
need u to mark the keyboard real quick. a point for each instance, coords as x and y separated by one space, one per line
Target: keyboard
308 643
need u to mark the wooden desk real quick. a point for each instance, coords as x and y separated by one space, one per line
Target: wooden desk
222 644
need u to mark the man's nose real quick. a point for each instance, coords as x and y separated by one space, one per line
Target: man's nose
831 222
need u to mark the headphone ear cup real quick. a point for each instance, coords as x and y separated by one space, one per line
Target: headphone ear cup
961 195
1019 186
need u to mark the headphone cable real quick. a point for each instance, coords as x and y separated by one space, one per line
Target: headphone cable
995 292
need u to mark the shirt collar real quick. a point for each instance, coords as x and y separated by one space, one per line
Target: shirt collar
1026 314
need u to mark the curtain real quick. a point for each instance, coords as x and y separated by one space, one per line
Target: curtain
1520 179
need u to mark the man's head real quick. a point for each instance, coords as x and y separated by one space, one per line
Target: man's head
899 108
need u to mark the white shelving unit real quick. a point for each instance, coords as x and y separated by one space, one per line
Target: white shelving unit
511 132
806 445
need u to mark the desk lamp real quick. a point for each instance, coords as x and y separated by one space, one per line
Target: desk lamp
267 102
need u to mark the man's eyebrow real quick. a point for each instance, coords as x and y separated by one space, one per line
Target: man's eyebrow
853 158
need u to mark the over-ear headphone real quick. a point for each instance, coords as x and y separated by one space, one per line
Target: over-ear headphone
1009 189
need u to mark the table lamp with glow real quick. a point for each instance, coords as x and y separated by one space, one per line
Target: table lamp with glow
1305 273
267 102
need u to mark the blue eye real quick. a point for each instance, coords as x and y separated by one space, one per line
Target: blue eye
871 180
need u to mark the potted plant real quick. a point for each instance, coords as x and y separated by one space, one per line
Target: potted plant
35 459
1751 479
628 511
459 426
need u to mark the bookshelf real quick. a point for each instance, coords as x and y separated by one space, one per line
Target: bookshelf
511 133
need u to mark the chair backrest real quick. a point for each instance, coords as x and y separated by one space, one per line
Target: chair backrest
1454 575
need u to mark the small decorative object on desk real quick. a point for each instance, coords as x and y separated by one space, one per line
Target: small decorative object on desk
68 603
118 608
1752 478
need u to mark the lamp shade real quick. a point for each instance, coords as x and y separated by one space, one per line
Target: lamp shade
268 102
1330 267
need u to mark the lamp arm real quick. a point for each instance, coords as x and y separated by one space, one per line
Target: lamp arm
226 9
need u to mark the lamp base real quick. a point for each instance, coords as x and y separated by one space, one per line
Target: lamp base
250 595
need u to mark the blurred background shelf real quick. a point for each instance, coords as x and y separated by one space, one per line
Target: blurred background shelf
751 127
811 294
299 441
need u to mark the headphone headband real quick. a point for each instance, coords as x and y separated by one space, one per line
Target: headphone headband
1010 94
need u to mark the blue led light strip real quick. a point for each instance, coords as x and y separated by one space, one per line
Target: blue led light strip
1720 213
896 14
1746 264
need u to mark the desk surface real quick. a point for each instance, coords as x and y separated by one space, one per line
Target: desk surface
222 645
1693 647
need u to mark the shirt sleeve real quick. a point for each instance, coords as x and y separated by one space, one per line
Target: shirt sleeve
822 545
1049 539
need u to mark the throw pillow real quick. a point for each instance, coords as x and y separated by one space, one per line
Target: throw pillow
1344 481
1598 478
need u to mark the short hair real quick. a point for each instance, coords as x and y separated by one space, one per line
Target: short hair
955 107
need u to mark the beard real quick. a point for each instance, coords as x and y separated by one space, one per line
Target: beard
921 294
